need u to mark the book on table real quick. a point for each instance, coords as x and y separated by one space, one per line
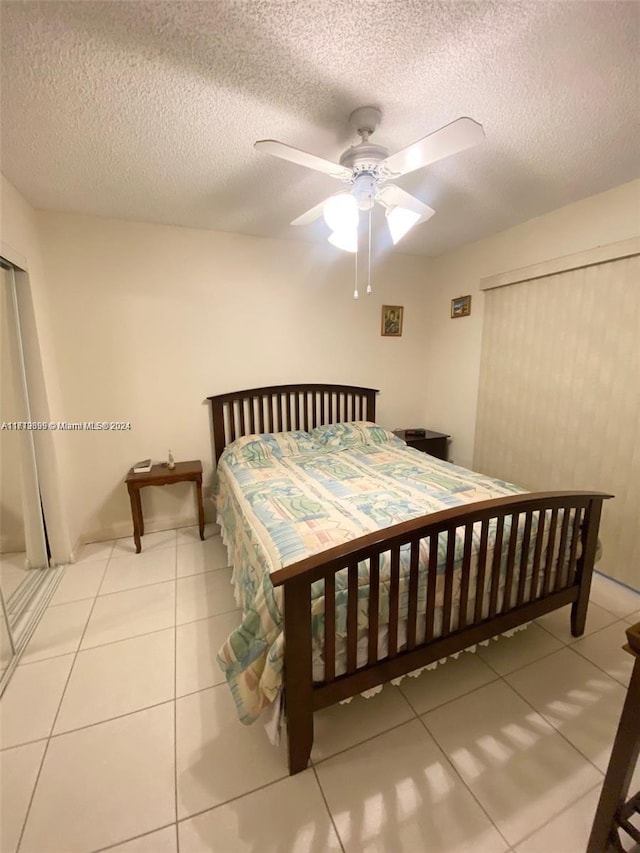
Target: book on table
142 467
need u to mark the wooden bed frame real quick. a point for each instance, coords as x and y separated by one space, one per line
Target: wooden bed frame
553 583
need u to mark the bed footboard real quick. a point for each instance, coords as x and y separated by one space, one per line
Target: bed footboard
438 584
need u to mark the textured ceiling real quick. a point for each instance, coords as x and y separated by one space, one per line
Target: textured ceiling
149 110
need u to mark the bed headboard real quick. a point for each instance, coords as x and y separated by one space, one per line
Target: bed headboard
280 408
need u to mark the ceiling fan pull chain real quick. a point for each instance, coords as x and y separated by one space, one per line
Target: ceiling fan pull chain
355 292
369 290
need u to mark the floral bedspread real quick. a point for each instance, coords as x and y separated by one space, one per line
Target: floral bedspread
286 496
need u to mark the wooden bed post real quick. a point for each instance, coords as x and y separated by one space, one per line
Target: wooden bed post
298 680
589 539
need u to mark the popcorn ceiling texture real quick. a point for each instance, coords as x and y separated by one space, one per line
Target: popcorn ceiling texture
149 110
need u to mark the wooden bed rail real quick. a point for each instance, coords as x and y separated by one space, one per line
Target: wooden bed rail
278 408
512 583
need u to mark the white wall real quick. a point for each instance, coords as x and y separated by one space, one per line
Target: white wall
453 346
149 320
142 322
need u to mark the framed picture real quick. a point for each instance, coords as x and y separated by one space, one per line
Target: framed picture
392 320
461 306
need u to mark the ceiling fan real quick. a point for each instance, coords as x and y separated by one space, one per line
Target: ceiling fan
368 169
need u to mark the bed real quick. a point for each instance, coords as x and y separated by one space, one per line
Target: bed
348 601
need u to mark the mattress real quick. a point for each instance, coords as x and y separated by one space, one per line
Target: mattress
282 497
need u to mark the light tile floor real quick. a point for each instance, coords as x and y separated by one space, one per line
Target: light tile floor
118 732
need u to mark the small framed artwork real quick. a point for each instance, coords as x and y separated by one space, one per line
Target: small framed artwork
392 320
461 306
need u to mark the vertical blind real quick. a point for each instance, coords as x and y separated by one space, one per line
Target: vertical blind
559 394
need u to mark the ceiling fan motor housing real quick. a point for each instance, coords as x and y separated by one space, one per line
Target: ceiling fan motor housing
365 188
363 158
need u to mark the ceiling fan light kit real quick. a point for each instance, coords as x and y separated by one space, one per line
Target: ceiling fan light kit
341 212
368 168
400 222
347 240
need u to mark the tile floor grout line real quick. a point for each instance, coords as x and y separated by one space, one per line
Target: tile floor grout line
318 761
406 698
573 746
625 685
568 645
133 838
73 663
326 805
53 723
133 636
454 698
556 816
158 582
556 730
529 663
51 735
105 569
233 799
110 719
458 775
33 792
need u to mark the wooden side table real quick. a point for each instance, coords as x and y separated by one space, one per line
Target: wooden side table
160 475
433 443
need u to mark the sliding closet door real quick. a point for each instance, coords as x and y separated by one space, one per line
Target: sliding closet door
559 397
20 508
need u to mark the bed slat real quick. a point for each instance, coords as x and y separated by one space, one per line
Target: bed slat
524 557
293 411
464 580
534 586
374 596
511 558
232 422
402 542
573 553
432 580
448 582
495 567
482 569
562 548
330 628
548 565
289 407
352 618
413 594
394 601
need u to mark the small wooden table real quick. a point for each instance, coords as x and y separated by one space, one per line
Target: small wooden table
160 475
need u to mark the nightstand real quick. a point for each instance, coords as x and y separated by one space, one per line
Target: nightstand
161 475
433 443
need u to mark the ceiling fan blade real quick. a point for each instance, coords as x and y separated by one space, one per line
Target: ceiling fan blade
302 158
393 196
311 215
450 139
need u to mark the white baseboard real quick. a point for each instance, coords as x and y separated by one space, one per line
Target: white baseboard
124 529
11 545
